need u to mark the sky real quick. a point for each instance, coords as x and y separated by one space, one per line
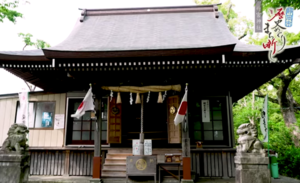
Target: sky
53 20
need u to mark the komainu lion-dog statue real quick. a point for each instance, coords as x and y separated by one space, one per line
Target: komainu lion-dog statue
248 141
16 140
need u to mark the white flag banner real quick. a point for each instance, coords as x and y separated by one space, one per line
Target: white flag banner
182 110
86 105
23 110
205 111
264 120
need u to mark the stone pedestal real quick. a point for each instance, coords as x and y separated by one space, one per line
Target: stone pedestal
252 167
14 167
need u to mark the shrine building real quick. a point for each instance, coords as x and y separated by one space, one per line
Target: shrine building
149 52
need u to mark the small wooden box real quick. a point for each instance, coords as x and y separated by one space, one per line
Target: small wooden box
199 144
177 158
169 158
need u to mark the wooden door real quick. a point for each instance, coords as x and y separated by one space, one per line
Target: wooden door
174 132
114 130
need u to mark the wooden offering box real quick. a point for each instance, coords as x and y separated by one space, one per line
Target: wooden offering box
169 158
177 158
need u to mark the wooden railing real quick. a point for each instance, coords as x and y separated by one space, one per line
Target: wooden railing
62 162
213 162
205 162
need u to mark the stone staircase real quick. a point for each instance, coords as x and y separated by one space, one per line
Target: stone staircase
115 161
115 164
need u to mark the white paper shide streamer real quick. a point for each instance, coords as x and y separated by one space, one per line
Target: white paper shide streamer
165 95
148 97
131 100
111 95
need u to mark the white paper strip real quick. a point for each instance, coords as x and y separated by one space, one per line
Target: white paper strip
205 111
264 120
59 121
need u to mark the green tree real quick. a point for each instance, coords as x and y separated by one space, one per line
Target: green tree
39 44
239 26
6 11
26 39
266 4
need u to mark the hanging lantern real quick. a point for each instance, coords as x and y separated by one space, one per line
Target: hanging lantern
160 100
138 99
119 101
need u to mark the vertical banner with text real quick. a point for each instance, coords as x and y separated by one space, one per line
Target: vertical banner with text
23 112
258 16
264 120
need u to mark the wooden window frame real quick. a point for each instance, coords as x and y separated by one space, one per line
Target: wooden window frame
35 108
226 142
69 131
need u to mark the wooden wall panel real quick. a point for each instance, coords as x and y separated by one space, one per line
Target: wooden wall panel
61 108
3 133
213 164
7 117
174 132
37 138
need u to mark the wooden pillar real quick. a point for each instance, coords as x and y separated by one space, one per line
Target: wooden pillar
67 163
97 144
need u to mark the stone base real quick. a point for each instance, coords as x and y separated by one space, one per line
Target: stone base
14 167
187 181
252 167
96 180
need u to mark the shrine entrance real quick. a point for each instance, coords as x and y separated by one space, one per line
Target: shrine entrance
158 122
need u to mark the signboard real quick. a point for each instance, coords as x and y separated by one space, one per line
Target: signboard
59 121
289 13
258 16
147 147
264 120
205 111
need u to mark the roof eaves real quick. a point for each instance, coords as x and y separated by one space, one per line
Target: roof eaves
150 10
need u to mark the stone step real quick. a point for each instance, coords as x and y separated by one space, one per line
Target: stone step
108 160
114 174
118 155
114 167
114 164
116 170
120 150
154 150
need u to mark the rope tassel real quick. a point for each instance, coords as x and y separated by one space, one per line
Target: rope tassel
119 101
159 100
138 99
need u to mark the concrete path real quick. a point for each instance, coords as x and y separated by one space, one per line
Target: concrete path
82 179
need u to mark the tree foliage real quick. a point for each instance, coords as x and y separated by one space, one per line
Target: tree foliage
239 26
39 44
26 39
6 11
266 4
